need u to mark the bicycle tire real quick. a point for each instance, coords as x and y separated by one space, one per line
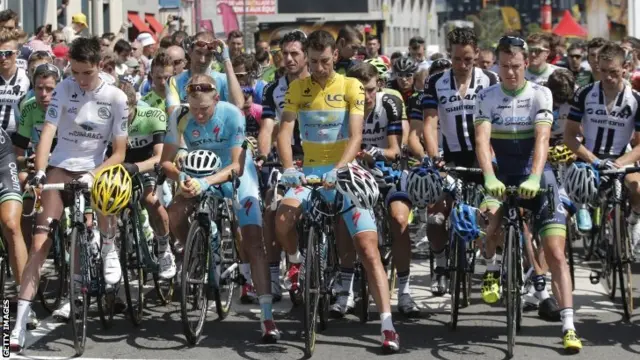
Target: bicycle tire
608 260
128 266
196 237
622 264
329 276
468 276
455 278
512 239
79 330
106 301
227 247
311 292
60 266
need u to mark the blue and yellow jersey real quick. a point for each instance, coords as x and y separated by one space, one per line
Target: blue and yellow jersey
177 89
323 116
223 132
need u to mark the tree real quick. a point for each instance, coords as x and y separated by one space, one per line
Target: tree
489 25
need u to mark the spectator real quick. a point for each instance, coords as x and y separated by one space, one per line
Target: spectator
417 52
8 19
246 69
235 41
123 51
165 42
178 38
487 60
267 70
178 58
148 45
108 64
105 44
557 49
58 37
373 50
593 47
348 42
264 45
43 33
60 52
62 13
78 28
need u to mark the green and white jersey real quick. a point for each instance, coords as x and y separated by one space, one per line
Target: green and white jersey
154 100
147 129
30 122
542 77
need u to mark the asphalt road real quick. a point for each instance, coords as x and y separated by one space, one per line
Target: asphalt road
481 331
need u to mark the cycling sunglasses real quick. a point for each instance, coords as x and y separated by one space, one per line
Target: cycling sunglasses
204 44
47 70
7 53
441 63
206 88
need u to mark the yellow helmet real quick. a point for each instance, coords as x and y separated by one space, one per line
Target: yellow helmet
111 190
560 154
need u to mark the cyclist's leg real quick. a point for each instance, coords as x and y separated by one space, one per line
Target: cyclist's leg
52 209
494 235
632 182
347 257
399 206
271 245
552 225
179 211
10 214
286 232
159 220
437 232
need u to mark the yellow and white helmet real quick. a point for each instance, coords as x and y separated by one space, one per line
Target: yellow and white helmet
111 191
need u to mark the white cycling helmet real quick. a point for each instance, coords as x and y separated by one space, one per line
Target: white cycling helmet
200 163
581 181
424 186
358 185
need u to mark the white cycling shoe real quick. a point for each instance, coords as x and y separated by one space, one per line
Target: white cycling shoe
111 268
167 262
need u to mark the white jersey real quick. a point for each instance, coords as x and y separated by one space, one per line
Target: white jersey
11 92
560 116
383 121
542 78
606 133
86 121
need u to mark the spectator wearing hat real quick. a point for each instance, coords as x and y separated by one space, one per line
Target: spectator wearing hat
78 28
149 45
60 53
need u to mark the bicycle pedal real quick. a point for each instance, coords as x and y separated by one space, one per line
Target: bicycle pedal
594 277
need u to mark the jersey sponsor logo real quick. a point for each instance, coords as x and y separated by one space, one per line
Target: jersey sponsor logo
524 104
103 103
123 125
334 101
511 120
216 132
306 92
195 133
15 90
52 113
87 134
460 107
394 108
74 97
73 110
136 142
13 170
104 113
455 98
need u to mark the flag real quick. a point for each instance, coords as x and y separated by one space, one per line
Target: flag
229 18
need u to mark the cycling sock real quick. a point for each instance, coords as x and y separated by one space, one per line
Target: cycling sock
441 258
403 283
542 295
567 319
24 307
346 278
295 258
386 322
492 263
274 269
163 243
266 307
245 270
108 243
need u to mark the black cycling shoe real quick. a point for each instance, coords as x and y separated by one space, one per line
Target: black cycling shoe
439 286
549 310
408 307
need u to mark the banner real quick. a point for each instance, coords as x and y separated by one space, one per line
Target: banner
254 7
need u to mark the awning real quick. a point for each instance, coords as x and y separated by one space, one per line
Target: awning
569 27
138 23
155 24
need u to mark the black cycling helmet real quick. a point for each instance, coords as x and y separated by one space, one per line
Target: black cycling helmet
405 64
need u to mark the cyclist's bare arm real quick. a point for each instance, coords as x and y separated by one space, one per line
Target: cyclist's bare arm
169 152
44 146
285 133
265 136
430 132
149 164
632 156
483 147
119 146
415 146
237 166
541 148
393 148
572 130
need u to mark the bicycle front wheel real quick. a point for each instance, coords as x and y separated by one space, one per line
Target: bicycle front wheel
456 274
53 277
132 271
194 302
228 257
78 299
623 262
311 292
513 291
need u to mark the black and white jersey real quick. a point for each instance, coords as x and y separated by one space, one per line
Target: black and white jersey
384 120
456 114
11 92
273 106
606 133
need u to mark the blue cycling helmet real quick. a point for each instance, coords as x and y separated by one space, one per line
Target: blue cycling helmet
464 221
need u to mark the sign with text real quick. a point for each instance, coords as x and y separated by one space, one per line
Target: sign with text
257 7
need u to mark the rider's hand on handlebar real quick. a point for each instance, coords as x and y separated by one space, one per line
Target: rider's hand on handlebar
291 177
39 179
329 178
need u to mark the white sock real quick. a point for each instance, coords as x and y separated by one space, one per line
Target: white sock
295 258
441 259
567 319
542 295
386 322
108 244
274 270
24 308
245 270
163 243
403 283
492 263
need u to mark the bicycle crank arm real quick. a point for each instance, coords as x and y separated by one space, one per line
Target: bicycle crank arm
226 273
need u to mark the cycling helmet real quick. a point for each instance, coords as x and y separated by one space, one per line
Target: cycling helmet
560 154
358 185
200 163
464 222
111 191
383 69
424 186
581 182
405 64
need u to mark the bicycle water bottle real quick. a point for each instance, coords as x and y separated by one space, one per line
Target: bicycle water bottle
143 217
94 251
215 248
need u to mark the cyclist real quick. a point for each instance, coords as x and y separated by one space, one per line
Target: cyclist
382 137
515 118
246 70
606 114
219 126
450 102
14 82
147 129
294 51
201 51
330 109
539 70
87 113
161 71
593 47
404 69
348 42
